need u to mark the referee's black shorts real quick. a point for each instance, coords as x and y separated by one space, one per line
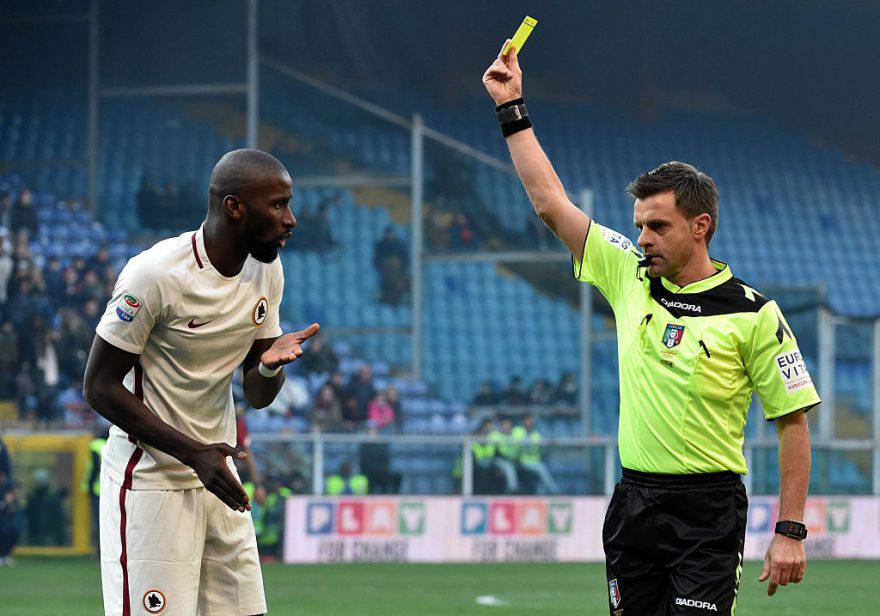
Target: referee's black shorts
674 543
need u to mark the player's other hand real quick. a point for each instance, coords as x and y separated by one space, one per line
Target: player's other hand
786 561
209 463
503 79
288 348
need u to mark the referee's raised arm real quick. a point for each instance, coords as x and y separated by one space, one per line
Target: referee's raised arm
503 80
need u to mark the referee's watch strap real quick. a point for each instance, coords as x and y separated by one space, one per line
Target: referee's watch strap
513 116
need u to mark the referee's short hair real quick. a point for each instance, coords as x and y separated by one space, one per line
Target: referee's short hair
695 192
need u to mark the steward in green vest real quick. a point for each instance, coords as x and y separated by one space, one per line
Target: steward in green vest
346 482
530 458
269 520
506 453
91 483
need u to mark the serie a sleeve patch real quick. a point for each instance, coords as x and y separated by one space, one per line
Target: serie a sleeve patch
128 306
793 371
618 240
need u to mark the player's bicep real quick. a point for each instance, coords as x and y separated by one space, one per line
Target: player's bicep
106 367
260 346
570 224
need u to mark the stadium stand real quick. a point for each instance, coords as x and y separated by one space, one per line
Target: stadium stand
777 189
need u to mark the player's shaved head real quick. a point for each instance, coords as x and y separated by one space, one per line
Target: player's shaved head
239 171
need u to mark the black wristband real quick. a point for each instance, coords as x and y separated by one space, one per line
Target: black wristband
513 116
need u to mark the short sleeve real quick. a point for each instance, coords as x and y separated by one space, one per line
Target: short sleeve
776 367
610 262
272 325
135 307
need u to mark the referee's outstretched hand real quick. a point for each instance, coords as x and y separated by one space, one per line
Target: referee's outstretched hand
209 463
786 561
288 347
503 79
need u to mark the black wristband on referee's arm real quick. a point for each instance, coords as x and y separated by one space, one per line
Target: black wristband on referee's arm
513 116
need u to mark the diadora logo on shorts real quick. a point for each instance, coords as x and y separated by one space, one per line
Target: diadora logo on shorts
154 601
532 517
372 518
128 307
682 306
705 605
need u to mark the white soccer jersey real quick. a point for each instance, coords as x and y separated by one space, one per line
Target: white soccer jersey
192 327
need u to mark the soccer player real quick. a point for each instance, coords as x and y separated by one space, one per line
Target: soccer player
176 532
693 343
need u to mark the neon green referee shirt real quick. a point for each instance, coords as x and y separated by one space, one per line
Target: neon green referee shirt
689 358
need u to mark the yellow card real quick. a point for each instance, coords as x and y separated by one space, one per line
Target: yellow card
522 33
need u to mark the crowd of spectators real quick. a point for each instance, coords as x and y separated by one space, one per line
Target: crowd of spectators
391 260
540 393
169 207
317 397
48 312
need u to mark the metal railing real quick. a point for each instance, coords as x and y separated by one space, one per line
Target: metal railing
610 467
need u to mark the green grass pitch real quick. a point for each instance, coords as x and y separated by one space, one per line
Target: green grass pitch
72 587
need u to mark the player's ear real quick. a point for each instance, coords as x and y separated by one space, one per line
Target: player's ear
234 207
700 225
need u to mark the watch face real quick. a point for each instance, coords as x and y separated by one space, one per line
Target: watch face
795 530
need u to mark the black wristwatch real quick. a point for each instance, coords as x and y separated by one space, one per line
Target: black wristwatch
790 528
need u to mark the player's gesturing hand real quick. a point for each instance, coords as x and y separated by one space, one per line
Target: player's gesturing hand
288 347
209 463
503 79
786 561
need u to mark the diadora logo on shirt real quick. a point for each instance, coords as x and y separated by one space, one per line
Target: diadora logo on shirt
695 308
705 605
533 517
128 307
365 518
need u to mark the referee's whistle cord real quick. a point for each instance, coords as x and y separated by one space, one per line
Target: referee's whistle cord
705 348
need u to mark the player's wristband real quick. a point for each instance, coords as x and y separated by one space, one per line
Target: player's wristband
513 116
266 372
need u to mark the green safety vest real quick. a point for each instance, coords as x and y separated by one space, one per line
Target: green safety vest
95 448
529 444
483 451
336 485
272 517
507 450
256 509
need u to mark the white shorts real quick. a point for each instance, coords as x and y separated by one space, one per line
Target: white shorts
177 552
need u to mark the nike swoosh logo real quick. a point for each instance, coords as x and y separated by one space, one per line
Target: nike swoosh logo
192 323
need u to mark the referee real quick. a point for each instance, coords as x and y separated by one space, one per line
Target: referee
693 343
